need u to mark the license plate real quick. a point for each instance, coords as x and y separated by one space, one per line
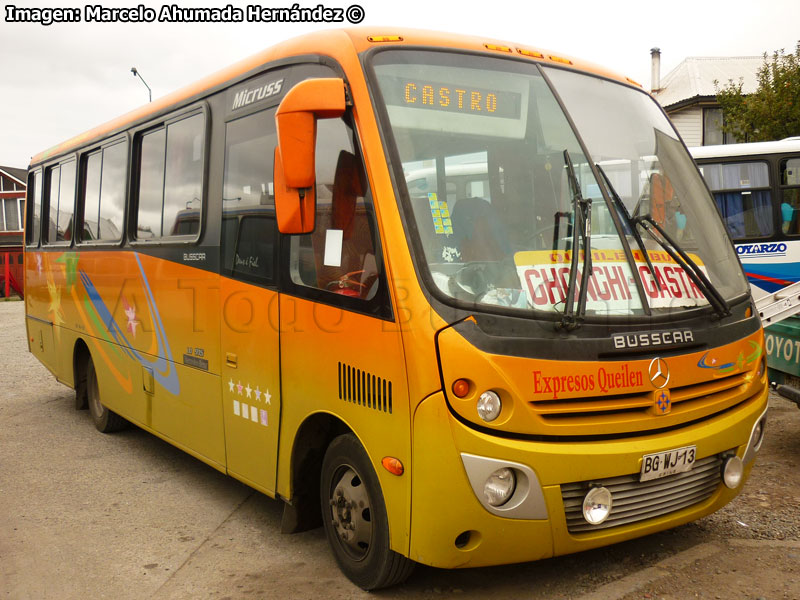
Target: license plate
669 462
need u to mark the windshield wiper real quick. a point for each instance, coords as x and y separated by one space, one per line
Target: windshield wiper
622 210
582 209
686 263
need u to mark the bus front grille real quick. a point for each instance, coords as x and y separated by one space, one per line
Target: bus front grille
634 501
624 413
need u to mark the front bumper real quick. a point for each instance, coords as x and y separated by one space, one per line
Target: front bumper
452 528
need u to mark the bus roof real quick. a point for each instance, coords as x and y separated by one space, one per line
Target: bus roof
791 144
340 44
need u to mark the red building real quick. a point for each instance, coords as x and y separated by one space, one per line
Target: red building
12 219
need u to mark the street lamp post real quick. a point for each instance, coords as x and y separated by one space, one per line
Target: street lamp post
136 74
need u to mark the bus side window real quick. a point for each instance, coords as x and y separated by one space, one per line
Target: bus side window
33 209
170 187
249 229
104 173
790 203
340 255
742 194
60 202
54 178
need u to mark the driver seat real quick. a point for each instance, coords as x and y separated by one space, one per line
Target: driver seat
478 232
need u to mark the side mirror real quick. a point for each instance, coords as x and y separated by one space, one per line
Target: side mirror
295 167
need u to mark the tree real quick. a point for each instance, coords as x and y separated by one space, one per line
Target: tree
772 112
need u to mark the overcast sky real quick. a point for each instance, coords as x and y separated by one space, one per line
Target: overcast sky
60 80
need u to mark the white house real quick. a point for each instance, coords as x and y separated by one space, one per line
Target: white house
688 93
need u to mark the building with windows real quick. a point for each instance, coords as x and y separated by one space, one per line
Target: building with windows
688 93
12 215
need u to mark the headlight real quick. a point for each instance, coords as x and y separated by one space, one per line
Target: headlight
489 406
499 487
597 505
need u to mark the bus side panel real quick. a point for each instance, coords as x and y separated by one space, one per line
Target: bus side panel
351 366
251 388
41 344
769 267
43 307
153 325
192 418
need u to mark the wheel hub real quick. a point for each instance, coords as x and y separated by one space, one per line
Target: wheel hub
350 513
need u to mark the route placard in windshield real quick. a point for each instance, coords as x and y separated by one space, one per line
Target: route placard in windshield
610 288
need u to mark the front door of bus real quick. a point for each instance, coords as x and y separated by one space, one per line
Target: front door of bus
250 371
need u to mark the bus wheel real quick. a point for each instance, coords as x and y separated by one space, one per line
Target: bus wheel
354 516
104 419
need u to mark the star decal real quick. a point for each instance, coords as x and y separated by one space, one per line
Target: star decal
130 313
248 389
231 384
258 394
239 387
267 397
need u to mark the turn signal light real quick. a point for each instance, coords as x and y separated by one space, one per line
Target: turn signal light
393 465
460 388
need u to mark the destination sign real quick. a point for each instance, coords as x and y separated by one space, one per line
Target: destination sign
610 287
450 97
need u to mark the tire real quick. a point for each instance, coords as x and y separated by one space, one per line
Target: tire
359 539
81 400
105 420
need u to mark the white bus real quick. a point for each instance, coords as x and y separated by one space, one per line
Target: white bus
757 190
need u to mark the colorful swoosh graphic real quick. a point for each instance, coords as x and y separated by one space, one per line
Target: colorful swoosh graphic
162 367
740 362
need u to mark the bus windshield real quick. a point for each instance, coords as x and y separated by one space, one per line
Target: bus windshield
501 190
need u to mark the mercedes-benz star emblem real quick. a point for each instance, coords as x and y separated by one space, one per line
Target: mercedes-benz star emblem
659 373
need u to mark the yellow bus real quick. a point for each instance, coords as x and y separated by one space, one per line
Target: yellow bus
462 302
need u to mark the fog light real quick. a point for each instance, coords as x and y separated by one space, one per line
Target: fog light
732 472
499 486
597 505
758 436
489 406
762 367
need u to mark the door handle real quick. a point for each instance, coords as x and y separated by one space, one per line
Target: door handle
231 360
